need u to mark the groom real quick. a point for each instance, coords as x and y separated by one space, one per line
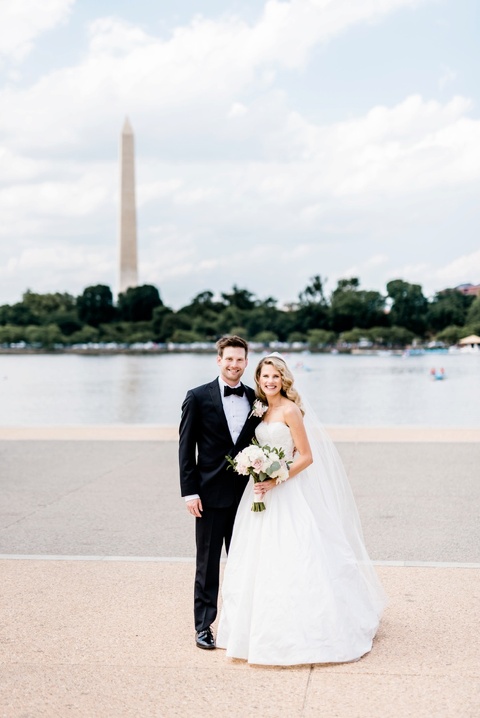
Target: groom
215 422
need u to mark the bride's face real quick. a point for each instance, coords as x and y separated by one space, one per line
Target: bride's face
270 380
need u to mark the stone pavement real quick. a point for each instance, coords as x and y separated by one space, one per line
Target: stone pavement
96 577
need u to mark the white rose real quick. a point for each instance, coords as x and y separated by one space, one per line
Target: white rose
254 452
242 467
281 474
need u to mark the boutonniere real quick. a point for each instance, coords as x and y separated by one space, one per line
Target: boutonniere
258 409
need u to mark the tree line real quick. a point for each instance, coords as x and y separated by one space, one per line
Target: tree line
347 315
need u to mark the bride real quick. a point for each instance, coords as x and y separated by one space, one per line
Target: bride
299 586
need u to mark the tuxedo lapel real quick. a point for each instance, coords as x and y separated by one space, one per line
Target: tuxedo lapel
251 420
250 395
216 398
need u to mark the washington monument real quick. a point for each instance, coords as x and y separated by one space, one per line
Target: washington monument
128 213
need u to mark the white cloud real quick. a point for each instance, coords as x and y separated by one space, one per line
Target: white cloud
187 80
15 167
465 268
58 267
78 193
414 273
415 145
228 170
238 109
447 77
342 180
288 30
358 270
22 21
157 190
110 36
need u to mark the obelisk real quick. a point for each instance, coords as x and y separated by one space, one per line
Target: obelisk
128 213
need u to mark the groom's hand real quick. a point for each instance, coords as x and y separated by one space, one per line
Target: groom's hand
195 508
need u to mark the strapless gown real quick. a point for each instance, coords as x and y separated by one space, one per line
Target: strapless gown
293 591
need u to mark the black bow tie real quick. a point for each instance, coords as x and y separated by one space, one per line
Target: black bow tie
227 391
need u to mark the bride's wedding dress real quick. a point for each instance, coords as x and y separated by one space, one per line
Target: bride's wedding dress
299 586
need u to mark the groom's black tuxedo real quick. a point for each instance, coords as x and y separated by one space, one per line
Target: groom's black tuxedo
205 440
204 428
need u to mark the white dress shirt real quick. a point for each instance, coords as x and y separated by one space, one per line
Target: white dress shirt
236 410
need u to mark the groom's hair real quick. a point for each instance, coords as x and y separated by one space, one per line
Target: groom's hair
232 341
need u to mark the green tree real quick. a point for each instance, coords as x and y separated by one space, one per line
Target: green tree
44 305
85 335
379 335
206 325
351 307
35 309
48 335
473 315
170 323
138 303
450 335
409 306
313 310
126 332
319 338
203 314
142 336
11 334
238 331
471 328
399 336
95 305
34 334
185 336
353 336
294 337
18 315
203 304
265 337
239 298
160 330
313 292
67 321
447 308
265 317
230 319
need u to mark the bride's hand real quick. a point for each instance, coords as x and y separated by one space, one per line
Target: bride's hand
262 487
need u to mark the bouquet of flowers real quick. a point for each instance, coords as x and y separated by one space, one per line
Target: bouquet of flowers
261 462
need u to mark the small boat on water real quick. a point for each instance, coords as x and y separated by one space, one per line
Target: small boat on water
413 352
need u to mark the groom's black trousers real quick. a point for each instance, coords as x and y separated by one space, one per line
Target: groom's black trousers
212 530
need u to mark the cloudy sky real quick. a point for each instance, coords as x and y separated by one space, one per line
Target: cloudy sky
275 141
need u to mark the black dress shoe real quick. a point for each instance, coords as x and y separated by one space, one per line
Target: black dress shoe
205 639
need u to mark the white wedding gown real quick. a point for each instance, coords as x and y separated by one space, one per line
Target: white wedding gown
296 588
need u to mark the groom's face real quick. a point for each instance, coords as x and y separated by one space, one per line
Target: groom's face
232 364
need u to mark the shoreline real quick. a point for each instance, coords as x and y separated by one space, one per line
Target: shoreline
160 432
103 351
254 349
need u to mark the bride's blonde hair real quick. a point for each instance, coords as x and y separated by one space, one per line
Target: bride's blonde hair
287 390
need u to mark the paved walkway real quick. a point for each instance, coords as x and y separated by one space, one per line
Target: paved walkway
96 577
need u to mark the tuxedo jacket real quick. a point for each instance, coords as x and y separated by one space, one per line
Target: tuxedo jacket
205 440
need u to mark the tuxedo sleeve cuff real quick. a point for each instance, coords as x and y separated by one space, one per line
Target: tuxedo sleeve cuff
191 497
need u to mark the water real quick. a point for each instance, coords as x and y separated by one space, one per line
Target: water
345 390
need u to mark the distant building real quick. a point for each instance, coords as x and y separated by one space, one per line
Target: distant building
128 275
471 290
